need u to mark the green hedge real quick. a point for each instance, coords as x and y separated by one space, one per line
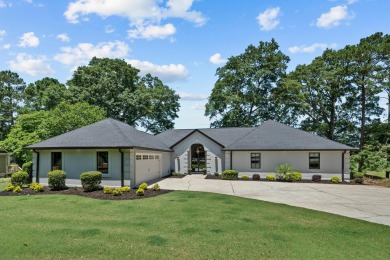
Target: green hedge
57 179
292 177
20 178
229 175
91 180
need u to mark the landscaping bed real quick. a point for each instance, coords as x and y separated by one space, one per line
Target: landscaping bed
98 194
212 177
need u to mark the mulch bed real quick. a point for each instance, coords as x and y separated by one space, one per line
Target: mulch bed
213 177
131 195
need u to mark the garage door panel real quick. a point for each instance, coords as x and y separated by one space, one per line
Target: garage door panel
147 167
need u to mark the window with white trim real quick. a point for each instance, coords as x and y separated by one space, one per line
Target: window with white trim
145 157
138 157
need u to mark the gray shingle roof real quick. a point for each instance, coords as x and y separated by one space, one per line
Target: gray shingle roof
108 133
224 136
268 136
272 135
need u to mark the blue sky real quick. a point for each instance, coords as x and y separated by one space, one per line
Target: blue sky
182 42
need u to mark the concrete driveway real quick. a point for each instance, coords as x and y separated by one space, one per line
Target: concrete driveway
370 203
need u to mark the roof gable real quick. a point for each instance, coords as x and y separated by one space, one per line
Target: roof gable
221 136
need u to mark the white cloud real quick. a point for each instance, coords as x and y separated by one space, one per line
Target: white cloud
28 40
84 52
268 20
198 106
109 29
192 97
152 31
30 65
2 4
63 37
311 48
334 17
2 34
217 59
350 2
6 46
167 73
143 15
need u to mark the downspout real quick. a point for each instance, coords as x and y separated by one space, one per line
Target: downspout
231 160
122 169
342 165
37 171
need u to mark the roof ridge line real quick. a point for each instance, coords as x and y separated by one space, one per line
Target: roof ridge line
307 132
114 124
254 128
142 132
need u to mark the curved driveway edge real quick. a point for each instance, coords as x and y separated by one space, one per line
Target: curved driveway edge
369 203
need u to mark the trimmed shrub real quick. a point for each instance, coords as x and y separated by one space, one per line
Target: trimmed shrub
35 186
9 187
270 177
335 179
256 177
359 180
229 175
28 167
156 187
316 178
125 189
292 177
108 190
56 180
143 186
216 174
17 189
20 178
140 192
117 192
91 180
358 175
244 177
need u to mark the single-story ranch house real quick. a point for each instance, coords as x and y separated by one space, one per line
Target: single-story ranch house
127 156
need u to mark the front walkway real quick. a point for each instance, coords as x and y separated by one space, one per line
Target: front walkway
370 203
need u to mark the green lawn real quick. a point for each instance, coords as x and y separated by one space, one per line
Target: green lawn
182 225
4 182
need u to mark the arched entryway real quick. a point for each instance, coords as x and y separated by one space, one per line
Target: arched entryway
198 158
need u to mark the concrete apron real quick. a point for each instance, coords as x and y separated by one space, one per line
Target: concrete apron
369 203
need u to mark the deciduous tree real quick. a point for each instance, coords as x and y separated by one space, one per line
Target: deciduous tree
11 95
116 87
242 95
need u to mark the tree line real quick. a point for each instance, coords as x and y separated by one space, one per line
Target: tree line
104 88
336 95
